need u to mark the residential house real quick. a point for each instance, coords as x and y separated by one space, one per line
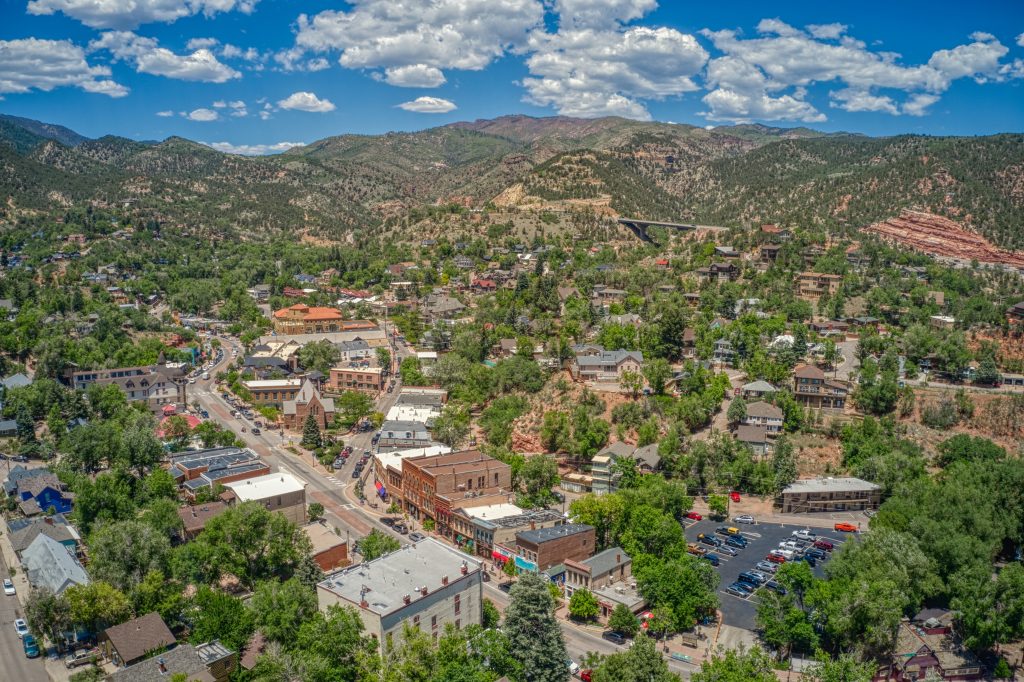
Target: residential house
830 495
303 319
306 402
1015 313
609 576
942 321
22 532
280 492
264 368
833 328
766 415
52 565
18 380
755 438
208 662
776 233
630 319
606 366
157 386
540 549
603 296
718 272
726 252
364 379
260 293
194 517
812 389
132 641
426 585
815 284
723 352
758 389
928 647
37 490
692 299
464 263
689 343
356 349
441 308
767 255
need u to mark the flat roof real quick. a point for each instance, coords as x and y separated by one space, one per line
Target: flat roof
394 459
262 487
818 485
493 512
554 532
273 383
386 581
322 537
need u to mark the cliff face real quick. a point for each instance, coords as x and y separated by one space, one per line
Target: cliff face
939 236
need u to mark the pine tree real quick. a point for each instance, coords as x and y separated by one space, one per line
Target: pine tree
535 640
311 438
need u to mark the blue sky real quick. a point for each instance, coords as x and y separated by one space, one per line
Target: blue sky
255 76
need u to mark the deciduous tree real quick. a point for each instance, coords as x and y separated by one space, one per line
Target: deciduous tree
535 638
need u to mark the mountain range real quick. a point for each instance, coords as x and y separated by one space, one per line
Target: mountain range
730 175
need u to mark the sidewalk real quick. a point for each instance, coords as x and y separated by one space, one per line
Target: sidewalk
11 561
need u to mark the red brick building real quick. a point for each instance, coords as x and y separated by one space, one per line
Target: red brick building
432 486
540 549
308 401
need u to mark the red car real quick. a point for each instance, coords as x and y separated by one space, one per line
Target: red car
734 496
824 544
695 516
846 527
585 675
776 558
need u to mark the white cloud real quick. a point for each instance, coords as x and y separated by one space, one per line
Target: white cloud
294 59
589 72
444 34
1020 40
253 149
148 57
219 104
428 105
202 115
128 14
165 114
200 43
306 101
34 64
601 13
414 76
764 77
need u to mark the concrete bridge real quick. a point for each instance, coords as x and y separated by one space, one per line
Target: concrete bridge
639 227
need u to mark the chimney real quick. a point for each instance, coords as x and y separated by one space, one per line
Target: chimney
365 604
444 580
423 590
618 558
162 665
465 568
407 599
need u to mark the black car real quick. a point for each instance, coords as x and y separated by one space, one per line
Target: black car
614 637
775 587
355 473
736 541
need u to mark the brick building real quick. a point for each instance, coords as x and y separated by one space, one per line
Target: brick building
303 319
330 550
272 392
431 486
365 379
540 549
307 401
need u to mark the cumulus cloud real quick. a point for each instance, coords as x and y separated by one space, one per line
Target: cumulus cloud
33 64
201 115
428 105
200 43
443 34
165 114
129 14
253 149
306 101
765 77
601 13
414 76
148 57
1020 40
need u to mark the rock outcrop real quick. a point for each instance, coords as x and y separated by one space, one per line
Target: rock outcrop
939 236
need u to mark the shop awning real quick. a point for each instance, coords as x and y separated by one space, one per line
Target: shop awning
380 489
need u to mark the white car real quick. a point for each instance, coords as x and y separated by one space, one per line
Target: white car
790 545
803 534
21 627
574 668
745 518
8 588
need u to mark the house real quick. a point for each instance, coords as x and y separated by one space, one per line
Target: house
303 319
766 415
441 308
540 549
208 662
330 550
776 233
51 565
8 428
403 435
194 517
608 575
356 349
1015 313
506 348
755 438
812 389
829 495
432 487
464 263
831 328
157 386
768 254
18 380
757 389
723 351
280 492
37 490
689 344
22 532
602 473
726 252
136 639
425 584
604 479
927 647
364 379
306 402
815 284
942 321
630 319
606 366
260 293
718 272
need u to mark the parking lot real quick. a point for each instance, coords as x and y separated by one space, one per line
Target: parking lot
761 538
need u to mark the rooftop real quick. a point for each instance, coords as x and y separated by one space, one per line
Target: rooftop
271 384
394 459
818 485
386 581
262 487
493 512
322 537
542 535
139 636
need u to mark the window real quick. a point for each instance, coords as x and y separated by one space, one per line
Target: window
458 604
495 479
433 622
416 621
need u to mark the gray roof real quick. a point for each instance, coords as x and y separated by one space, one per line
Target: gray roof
606 561
55 527
759 386
648 454
617 449
401 427
762 409
354 344
541 535
183 658
608 357
305 395
16 381
747 433
19 474
386 581
49 564
824 485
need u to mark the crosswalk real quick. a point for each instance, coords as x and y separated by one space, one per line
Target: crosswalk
335 481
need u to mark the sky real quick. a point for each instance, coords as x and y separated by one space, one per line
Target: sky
259 76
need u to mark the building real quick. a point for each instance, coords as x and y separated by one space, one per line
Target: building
206 469
303 319
280 492
489 529
768 254
37 490
812 389
755 438
942 321
403 435
272 392
363 379
306 402
441 308
540 549
927 647
330 551
425 584
608 575
606 366
22 532
49 564
136 639
757 389
830 494
1015 313
433 486
718 272
766 415
356 349
387 467
209 662
815 284
602 474
194 517
723 352
156 386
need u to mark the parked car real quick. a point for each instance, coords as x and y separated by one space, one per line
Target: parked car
790 545
401 528
804 534
739 589
338 463
574 668
816 553
846 527
766 566
743 518
9 588
256 431
416 537
824 544
31 646
709 540
696 550
734 496
736 541
355 473
749 578
21 627
585 675
811 561
614 637
80 657
713 558
775 587
389 520
726 550
694 516
775 558
761 577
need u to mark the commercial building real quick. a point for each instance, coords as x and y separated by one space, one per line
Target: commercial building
280 492
426 585
272 392
306 402
303 319
330 550
205 469
402 435
364 379
387 467
490 530
829 495
608 575
433 486
540 549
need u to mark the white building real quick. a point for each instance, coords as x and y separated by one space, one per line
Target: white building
280 492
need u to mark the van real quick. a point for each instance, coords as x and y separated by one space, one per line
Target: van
206 375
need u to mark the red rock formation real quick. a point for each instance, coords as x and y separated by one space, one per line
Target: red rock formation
938 236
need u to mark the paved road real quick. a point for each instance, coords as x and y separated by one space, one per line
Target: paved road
12 656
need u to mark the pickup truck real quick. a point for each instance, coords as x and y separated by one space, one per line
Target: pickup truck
696 549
